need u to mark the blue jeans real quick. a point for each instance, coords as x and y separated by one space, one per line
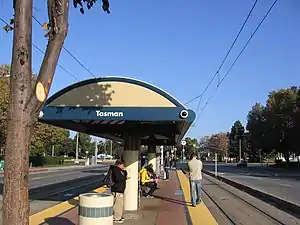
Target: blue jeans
195 188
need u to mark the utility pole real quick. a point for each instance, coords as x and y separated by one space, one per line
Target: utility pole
216 164
260 156
240 148
52 150
96 152
162 155
111 145
77 138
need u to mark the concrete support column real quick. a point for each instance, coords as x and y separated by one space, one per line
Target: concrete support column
131 157
152 155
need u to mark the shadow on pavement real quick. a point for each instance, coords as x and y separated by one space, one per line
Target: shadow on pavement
179 202
58 221
94 171
73 201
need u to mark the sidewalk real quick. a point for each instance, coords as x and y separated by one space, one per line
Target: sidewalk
170 206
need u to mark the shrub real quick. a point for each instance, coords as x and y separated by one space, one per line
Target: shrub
38 161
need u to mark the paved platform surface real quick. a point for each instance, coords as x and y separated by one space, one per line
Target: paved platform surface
171 206
222 204
275 182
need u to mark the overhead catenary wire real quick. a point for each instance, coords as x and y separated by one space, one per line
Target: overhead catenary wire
226 56
236 59
39 49
63 68
69 52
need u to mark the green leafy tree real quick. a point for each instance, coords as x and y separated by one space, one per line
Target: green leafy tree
68 147
282 114
101 147
45 136
85 144
296 117
24 103
4 95
236 135
192 145
276 126
259 138
111 147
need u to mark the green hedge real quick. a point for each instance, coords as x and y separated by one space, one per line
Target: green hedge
45 160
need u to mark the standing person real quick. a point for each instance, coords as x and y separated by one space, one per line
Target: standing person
195 175
119 176
167 165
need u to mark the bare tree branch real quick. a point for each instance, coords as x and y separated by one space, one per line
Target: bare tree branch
58 11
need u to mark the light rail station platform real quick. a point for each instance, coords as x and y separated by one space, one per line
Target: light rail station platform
171 206
221 204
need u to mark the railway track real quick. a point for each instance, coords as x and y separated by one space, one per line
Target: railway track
233 219
237 207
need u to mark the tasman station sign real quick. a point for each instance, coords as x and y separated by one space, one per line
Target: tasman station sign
109 114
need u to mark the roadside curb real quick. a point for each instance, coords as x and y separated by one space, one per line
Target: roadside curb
279 203
56 210
32 171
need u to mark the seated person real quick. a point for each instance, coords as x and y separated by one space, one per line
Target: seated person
152 173
147 181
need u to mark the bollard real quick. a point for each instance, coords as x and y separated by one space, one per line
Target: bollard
95 209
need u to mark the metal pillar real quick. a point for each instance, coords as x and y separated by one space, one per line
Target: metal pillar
77 139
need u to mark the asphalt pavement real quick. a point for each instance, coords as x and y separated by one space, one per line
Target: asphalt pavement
279 183
50 188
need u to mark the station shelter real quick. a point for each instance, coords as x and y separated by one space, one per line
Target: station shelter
122 109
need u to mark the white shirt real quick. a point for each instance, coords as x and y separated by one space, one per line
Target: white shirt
195 169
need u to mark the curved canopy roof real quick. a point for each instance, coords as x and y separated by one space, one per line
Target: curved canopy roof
111 106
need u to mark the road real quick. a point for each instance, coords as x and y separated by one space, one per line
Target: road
280 183
50 188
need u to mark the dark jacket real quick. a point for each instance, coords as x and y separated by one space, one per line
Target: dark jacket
119 178
167 162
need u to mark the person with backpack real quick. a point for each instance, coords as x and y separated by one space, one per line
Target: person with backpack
116 180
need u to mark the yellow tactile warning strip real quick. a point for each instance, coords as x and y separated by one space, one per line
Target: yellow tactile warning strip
199 214
53 211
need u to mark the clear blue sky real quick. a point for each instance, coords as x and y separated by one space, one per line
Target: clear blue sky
178 46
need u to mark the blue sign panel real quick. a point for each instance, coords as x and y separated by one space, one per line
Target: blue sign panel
118 113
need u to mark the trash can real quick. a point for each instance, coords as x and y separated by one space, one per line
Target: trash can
1 165
95 209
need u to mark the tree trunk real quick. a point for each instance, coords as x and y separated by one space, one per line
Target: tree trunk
19 123
25 104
